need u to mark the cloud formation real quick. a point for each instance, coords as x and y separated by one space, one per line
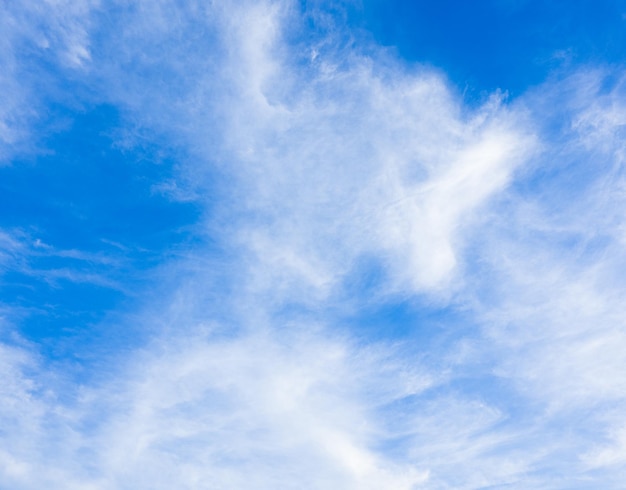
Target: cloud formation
318 163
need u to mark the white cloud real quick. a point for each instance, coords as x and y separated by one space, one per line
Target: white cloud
206 412
551 284
253 410
325 160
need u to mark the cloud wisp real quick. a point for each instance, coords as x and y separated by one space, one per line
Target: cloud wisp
318 163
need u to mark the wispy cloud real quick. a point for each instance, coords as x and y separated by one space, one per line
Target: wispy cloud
53 32
314 160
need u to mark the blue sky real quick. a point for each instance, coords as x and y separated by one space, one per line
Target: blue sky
312 245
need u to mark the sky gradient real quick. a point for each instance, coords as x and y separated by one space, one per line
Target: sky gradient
312 245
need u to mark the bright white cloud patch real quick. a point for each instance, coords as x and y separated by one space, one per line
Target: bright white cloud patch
332 163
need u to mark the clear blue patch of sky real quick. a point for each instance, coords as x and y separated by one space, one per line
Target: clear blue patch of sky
92 226
510 45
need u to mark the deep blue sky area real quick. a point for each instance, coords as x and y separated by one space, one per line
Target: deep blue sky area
82 188
500 44
91 224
